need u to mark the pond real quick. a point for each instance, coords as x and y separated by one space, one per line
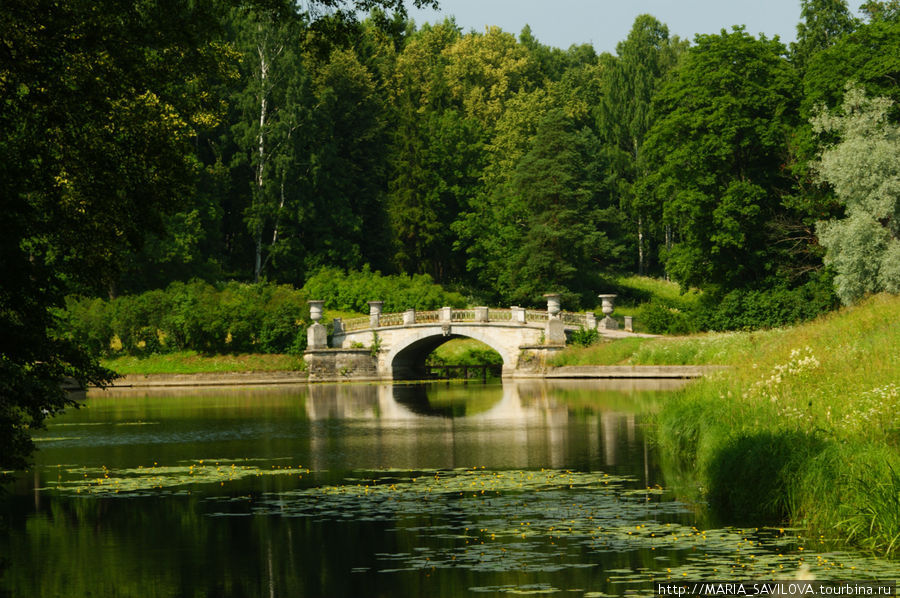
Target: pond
444 489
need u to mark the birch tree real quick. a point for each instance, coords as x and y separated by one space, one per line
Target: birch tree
273 107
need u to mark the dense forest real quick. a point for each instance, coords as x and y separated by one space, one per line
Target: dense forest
294 141
164 141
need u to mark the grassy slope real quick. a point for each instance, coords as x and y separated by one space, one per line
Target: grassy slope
636 292
806 426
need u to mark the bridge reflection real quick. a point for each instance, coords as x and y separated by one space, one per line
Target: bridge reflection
517 424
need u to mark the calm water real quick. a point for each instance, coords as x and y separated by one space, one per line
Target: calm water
364 490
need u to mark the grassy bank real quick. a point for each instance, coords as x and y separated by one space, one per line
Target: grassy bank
718 348
804 428
190 362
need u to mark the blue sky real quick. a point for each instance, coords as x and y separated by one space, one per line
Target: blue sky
603 23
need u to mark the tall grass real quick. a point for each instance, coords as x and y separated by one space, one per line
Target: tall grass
805 427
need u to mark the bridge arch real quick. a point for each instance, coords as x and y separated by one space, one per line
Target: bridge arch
406 359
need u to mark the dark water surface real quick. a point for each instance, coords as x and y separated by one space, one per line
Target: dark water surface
373 490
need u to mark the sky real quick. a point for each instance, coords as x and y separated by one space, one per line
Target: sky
604 23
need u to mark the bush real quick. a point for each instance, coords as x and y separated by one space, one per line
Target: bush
584 337
351 291
86 321
768 308
662 319
229 318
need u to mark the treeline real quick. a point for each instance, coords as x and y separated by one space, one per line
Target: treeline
509 168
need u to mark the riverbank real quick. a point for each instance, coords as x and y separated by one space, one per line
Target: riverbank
805 428
191 362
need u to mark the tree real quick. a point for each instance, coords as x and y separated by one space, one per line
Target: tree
96 121
870 55
99 104
864 247
436 157
344 223
436 169
824 23
274 104
875 10
631 80
560 228
716 158
485 70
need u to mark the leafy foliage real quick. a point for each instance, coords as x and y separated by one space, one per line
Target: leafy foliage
767 308
864 247
96 118
584 337
352 290
659 318
716 155
231 318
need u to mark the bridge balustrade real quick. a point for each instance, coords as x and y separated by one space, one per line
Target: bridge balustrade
499 315
532 315
391 320
574 319
462 315
428 317
467 315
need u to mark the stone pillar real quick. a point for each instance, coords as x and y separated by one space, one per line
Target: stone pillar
552 305
591 320
409 317
446 314
555 332
338 324
629 327
481 314
608 322
518 314
316 334
375 313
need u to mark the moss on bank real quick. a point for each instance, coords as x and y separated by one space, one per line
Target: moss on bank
805 427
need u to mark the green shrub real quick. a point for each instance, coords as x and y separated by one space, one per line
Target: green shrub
87 322
351 291
662 319
749 309
584 337
193 316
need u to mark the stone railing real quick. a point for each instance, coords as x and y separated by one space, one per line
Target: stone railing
574 319
532 315
462 315
478 314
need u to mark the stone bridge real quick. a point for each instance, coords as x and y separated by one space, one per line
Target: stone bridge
394 346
